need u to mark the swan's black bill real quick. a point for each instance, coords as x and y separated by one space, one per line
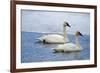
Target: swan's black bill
67 24
80 33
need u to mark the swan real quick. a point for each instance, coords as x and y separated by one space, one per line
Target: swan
56 38
70 47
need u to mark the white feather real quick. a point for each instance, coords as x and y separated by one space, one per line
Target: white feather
53 38
68 47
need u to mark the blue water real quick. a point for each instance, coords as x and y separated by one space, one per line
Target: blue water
34 51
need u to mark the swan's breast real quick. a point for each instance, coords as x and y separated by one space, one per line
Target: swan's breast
72 47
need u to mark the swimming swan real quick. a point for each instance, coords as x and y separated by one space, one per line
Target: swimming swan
69 47
56 38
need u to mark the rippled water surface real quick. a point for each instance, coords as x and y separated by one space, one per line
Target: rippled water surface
34 51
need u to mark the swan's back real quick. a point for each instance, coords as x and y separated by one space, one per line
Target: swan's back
67 47
53 38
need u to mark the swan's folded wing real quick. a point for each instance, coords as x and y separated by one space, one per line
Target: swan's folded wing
68 47
53 38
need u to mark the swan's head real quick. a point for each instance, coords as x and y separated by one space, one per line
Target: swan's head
66 24
77 33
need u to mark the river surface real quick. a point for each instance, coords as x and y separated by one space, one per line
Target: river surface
32 50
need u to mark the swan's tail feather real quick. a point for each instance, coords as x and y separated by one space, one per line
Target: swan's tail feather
41 38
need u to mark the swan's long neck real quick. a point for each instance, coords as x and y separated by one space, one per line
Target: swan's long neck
64 31
77 42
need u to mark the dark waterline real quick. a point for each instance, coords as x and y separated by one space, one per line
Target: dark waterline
34 51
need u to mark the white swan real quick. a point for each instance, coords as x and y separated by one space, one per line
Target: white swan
56 38
69 47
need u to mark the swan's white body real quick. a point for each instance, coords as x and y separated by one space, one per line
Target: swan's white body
56 38
53 38
68 47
